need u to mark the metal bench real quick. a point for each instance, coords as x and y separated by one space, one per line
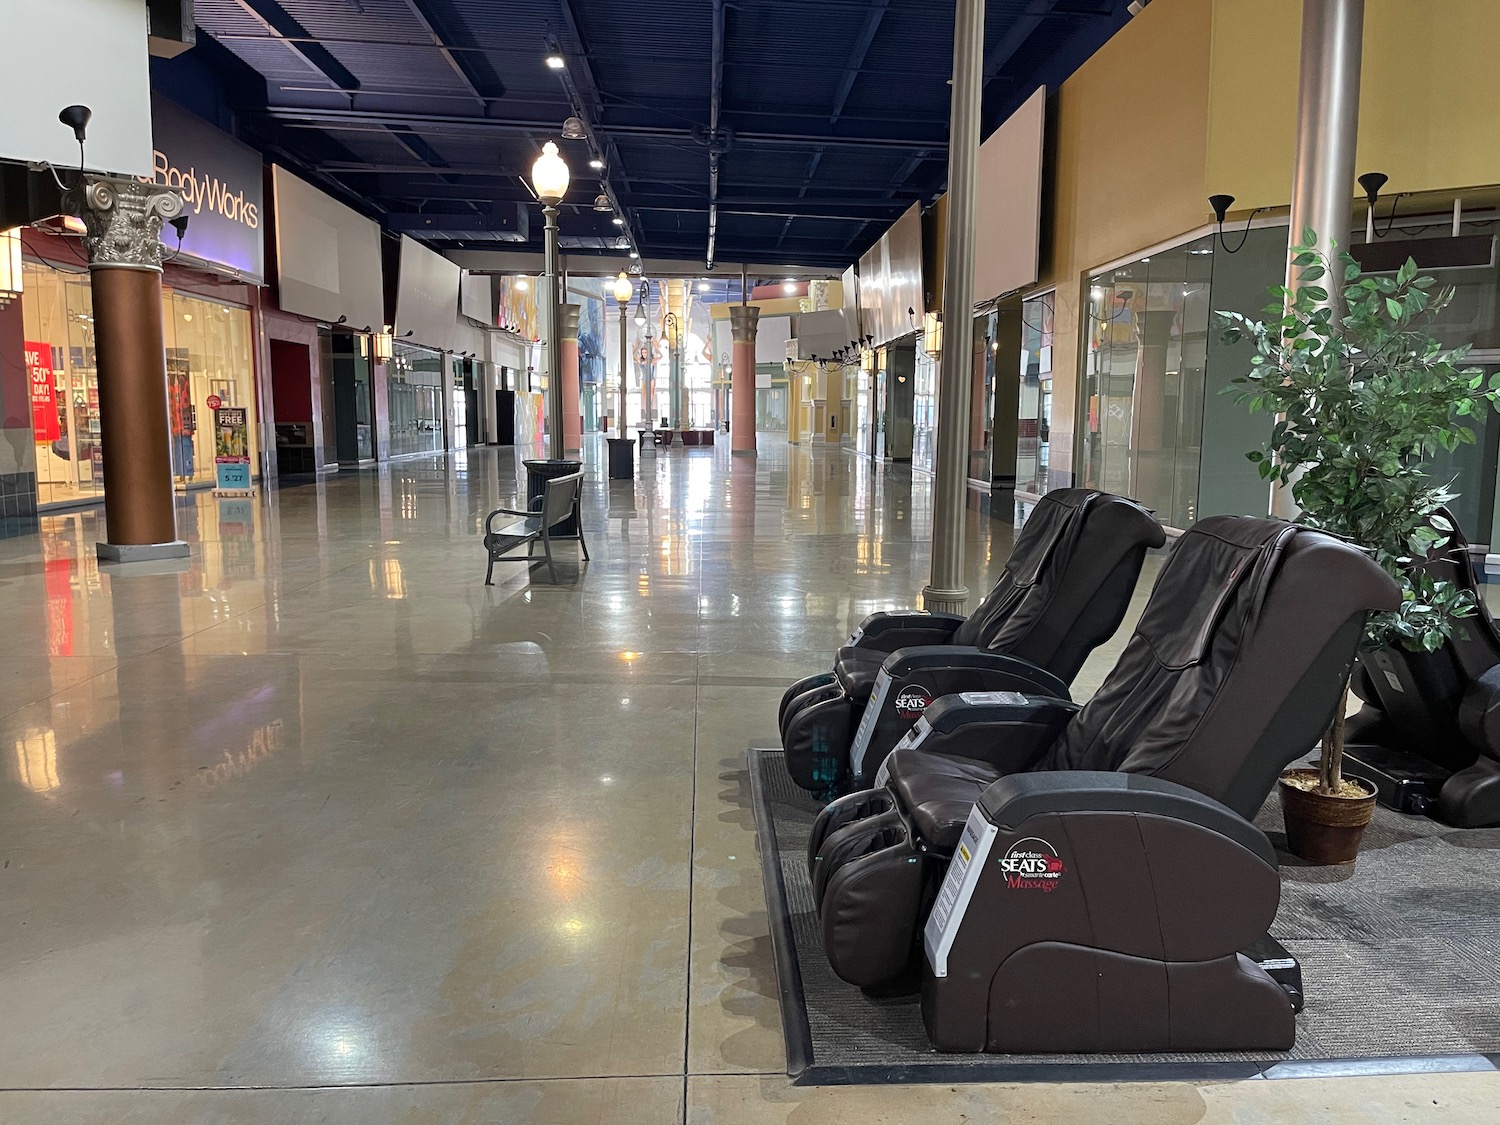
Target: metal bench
557 505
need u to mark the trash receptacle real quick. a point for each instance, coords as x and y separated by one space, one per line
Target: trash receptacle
621 458
538 473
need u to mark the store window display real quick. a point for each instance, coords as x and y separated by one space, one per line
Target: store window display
414 386
208 353
1148 328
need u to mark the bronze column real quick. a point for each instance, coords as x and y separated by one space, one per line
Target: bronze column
123 239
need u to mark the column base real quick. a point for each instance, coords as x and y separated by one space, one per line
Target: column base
745 452
141 552
944 601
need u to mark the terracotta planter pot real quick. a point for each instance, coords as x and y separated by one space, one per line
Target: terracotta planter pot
1322 829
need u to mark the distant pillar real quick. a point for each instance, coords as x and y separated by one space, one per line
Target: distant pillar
743 320
572 422
123 219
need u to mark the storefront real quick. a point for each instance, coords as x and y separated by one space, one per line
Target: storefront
209 357
414 399
208 296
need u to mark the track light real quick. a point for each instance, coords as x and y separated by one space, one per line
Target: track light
555 62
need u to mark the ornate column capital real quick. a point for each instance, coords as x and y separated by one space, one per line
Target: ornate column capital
567 321
743 320
124 218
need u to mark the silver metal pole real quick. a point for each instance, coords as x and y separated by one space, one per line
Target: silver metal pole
624 309
1327 129
947 592
555 448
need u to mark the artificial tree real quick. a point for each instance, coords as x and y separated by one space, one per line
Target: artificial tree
1363 394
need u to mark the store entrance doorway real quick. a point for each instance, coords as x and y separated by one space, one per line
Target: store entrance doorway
291 393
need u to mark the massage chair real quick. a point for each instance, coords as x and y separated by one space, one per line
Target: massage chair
1067 878
1429 733
1063 592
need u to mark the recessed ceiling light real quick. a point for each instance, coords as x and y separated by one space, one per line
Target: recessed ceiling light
619 222
555 62
596 164
704 287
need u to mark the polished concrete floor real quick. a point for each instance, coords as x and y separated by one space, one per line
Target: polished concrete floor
317 827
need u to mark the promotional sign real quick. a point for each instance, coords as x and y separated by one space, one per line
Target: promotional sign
43 392
221 183
232 448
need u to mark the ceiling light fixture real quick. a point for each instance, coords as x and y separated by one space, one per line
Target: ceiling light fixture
635 254
522 285
596 164
789 286
704 287
572 130
619 222
602 203
556 62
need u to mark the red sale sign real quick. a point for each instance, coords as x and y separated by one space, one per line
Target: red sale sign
43 391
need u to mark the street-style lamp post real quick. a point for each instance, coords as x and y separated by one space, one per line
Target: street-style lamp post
671 328
623 292
549 178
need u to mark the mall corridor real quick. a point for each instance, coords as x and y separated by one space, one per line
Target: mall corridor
316 827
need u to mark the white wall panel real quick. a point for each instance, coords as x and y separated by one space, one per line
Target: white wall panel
76 52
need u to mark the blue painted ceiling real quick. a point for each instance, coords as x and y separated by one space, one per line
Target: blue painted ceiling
827 118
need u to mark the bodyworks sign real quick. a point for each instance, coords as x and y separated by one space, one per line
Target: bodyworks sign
221 181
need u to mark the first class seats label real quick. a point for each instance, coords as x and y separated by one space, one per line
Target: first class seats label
1032 864
912 701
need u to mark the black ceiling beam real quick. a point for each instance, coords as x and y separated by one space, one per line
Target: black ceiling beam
857 53
474 72
1026 24
284 26
483 126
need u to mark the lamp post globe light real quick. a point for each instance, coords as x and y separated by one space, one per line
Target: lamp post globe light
549 178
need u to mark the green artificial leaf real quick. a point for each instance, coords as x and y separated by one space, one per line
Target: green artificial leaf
1393 307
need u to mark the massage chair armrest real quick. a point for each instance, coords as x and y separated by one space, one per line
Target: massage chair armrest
889 630
1013 800
1007 730
912 678
964 668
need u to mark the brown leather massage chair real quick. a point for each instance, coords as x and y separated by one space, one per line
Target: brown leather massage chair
1084 878
1429 733
1063 592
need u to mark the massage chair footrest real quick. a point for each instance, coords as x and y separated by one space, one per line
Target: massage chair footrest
1404 782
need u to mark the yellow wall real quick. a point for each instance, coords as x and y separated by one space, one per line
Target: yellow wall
1131 144
1427 117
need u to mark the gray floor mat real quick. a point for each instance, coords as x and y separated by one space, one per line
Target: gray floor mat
1400 959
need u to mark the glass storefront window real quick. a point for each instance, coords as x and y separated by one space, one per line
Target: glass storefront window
771 408
208 353
1034 412
414 390
1148 326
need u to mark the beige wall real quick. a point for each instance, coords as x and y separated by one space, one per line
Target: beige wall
1427 117
1131 136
